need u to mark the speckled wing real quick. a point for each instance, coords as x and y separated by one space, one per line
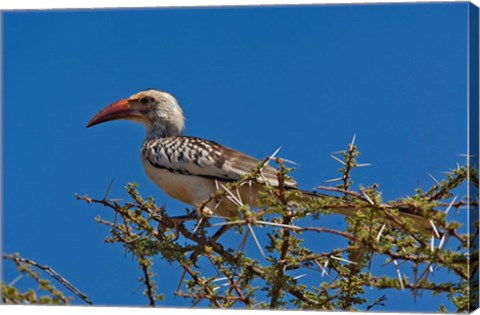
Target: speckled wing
195 156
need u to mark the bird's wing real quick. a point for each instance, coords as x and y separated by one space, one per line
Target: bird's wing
194 156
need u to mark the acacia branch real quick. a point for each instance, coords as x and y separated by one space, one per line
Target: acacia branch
280 209
148 283
52 273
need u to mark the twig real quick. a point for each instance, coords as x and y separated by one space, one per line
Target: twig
378 301
148 282
52 273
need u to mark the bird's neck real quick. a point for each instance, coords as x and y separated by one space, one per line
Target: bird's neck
161 130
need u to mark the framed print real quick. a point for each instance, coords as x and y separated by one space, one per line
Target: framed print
284 157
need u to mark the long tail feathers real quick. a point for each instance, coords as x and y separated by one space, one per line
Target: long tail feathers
419 222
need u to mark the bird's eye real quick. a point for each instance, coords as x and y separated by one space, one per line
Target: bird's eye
146 100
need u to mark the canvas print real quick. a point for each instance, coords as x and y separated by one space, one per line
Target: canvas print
302 157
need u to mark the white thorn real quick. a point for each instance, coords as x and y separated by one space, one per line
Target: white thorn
325 266
220 279
413 238
434 179
293 227
368 198
17 278
197 226
450 205
381 231
364 164
274 153
218 204
343 259
238 195
235 200
337 159
353 139
228 223
289 161
334 180
399 274
324 271
443 242
271 157
434 228
300 276
432 244
256 240
216 216
241 246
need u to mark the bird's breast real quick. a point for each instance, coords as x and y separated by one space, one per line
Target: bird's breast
185 188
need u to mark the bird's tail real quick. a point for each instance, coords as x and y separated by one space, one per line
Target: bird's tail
419 222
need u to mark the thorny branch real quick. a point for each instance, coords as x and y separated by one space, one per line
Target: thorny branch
287 217
148 282
374 232
48 270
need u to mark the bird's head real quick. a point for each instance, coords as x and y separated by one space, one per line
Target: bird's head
158 111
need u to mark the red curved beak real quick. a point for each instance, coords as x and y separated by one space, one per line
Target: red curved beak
122 109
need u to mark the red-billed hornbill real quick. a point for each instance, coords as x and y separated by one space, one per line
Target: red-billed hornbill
189 169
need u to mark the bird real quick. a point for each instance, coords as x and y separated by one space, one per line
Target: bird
190 169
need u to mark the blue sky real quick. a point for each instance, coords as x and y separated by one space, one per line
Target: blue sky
303 78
